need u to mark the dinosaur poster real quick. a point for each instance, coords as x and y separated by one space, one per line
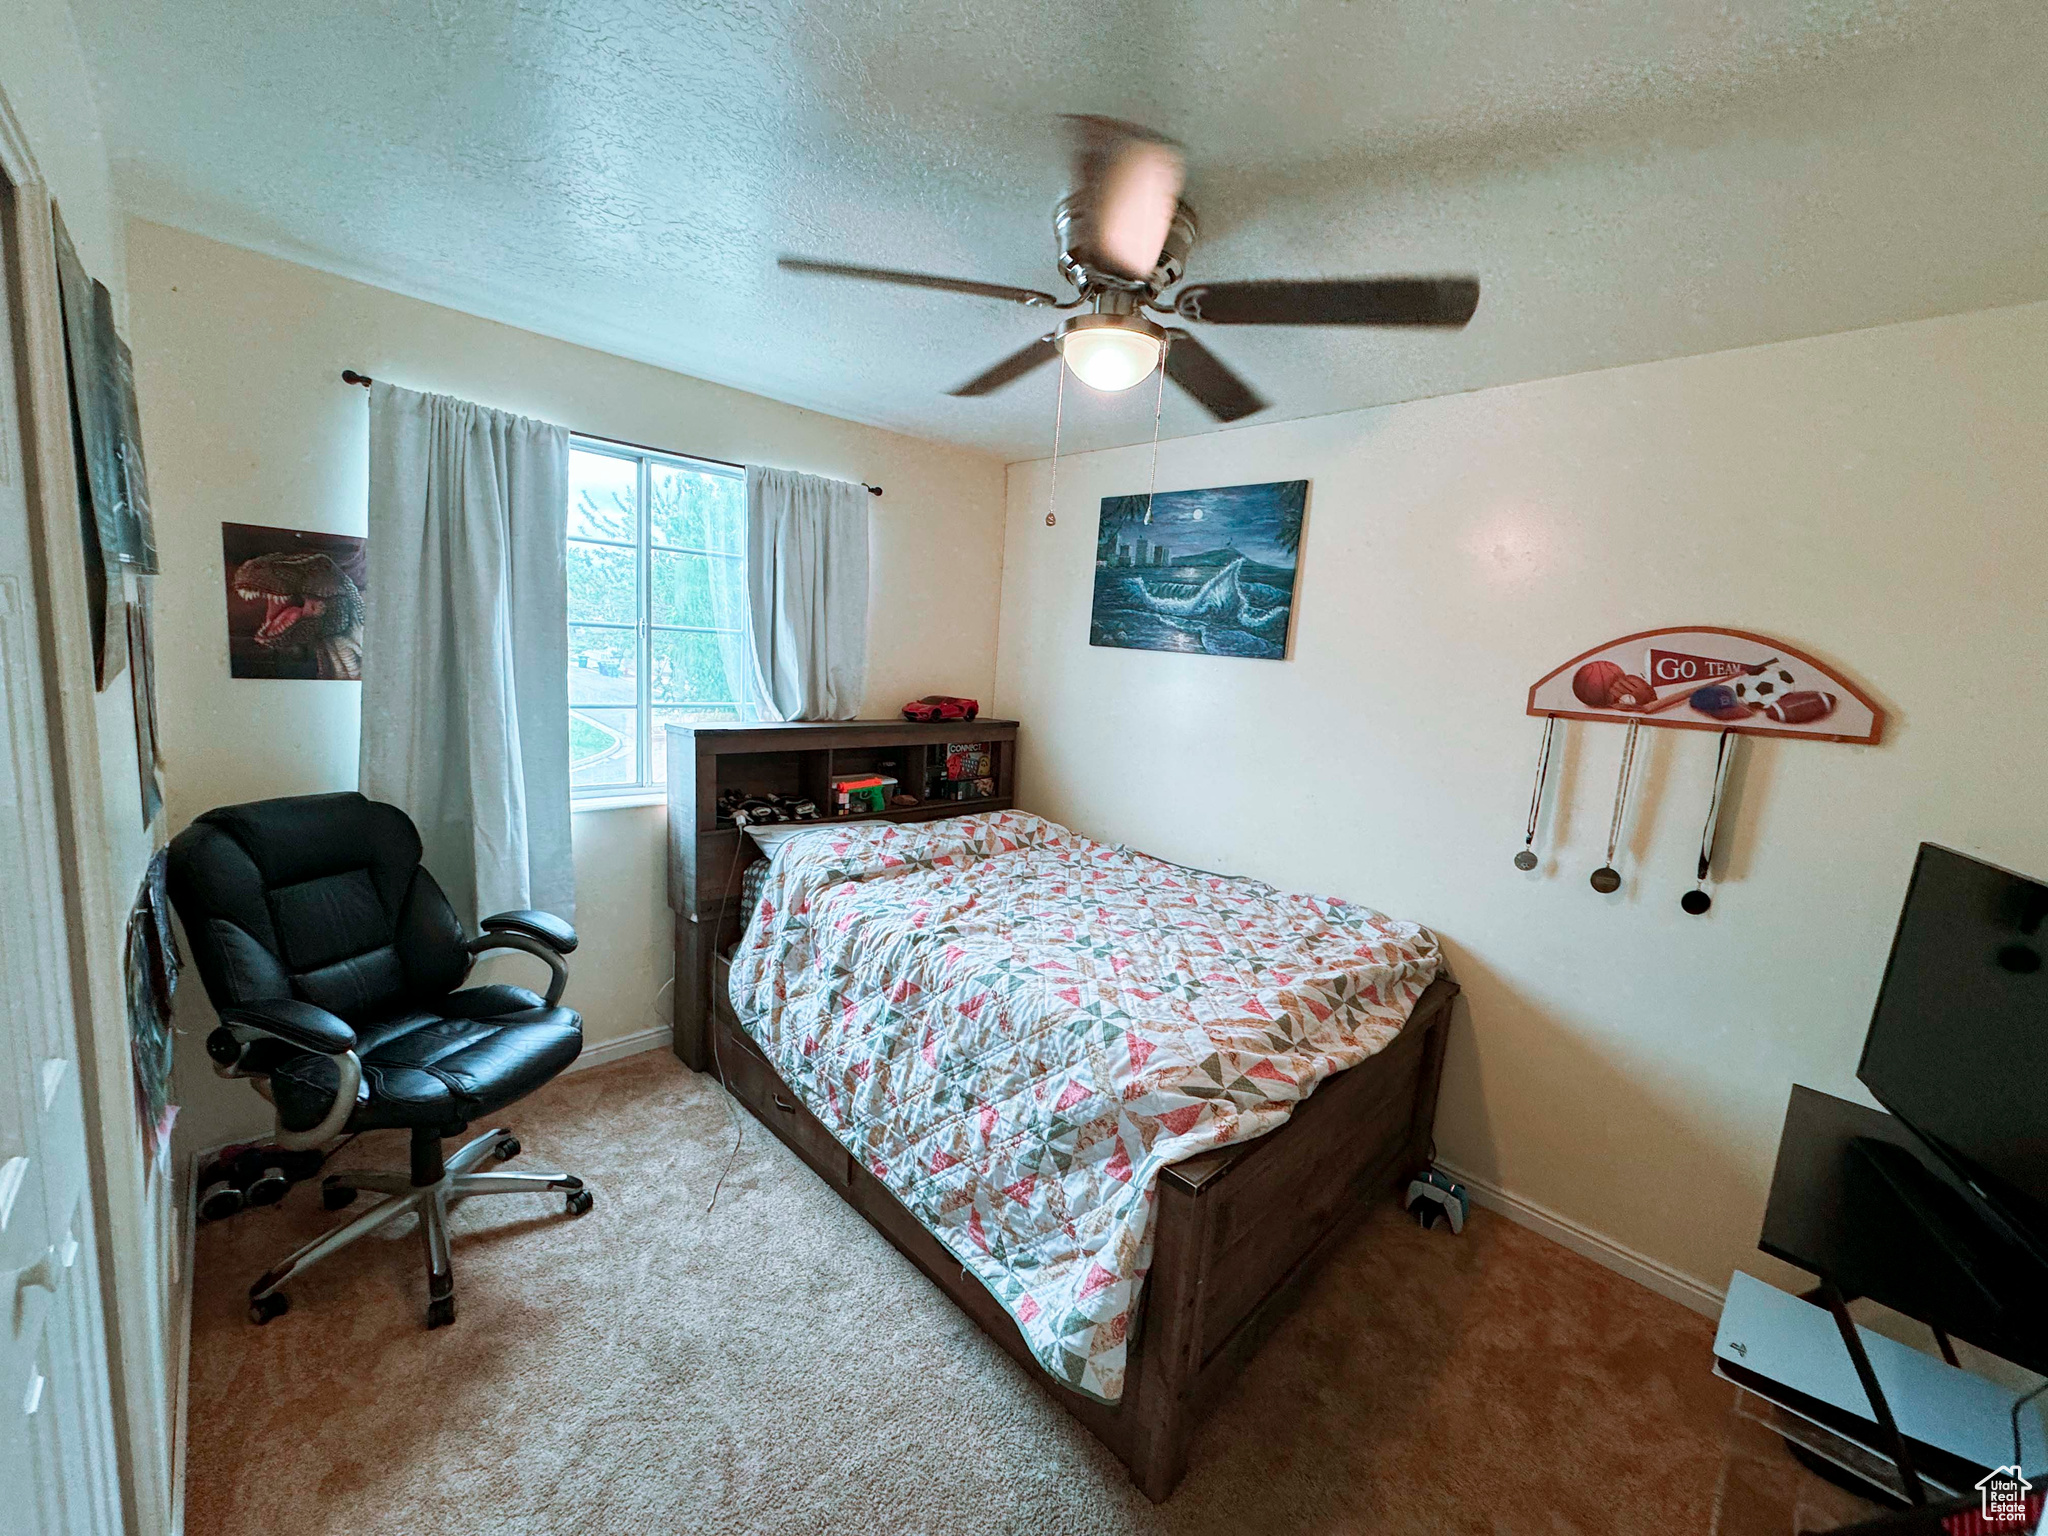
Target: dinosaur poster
1210 573
295 602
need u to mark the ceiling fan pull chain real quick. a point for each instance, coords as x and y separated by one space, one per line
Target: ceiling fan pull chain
1052 500
1158 401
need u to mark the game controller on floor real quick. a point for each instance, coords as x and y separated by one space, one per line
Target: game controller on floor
1437 1197
241 1176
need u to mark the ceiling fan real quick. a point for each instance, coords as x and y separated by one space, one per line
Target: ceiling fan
1124 236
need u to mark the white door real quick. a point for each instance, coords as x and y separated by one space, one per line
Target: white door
56 1416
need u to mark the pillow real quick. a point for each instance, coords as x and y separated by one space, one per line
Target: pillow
775 834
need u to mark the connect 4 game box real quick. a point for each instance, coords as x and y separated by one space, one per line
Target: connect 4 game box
968 760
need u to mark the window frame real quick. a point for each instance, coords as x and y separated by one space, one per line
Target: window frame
644 628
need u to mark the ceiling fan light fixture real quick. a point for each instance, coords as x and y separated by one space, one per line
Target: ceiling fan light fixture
1111 352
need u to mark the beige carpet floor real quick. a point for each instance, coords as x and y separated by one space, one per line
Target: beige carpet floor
773 1365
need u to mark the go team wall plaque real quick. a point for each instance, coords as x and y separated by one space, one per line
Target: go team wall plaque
1710 680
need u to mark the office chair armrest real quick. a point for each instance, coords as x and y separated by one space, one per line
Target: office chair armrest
308 1027
540 934
544 926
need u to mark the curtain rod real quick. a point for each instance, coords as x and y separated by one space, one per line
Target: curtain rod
350 376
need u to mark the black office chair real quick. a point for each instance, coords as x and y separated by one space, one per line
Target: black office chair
333 960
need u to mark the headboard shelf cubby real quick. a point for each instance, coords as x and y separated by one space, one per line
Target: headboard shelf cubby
707 855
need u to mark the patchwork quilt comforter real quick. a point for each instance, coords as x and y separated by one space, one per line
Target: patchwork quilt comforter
1016 1028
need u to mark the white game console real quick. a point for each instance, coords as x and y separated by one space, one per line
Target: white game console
1769 1337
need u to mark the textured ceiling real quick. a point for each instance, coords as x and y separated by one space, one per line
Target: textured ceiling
1631 179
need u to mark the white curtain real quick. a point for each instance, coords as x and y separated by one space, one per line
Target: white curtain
807 593
465 646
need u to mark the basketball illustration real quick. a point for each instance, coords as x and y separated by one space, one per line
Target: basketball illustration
1594 682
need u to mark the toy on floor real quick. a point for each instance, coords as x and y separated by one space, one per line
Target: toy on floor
1435 1197
252 1175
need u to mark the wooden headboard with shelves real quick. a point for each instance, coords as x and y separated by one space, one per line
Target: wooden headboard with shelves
707 856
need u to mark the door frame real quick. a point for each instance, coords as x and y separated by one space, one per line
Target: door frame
147 1438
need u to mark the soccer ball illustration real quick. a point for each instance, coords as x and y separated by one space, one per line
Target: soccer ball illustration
1765 687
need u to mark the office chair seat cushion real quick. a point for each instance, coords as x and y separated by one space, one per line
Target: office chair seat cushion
469 1055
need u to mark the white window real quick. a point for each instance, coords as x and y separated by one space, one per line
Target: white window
657 594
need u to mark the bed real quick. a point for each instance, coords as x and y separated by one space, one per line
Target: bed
1116 1109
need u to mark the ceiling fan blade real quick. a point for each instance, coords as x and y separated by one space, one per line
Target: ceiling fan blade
1445 301
1127 182
1202 374
1011 368
1029 296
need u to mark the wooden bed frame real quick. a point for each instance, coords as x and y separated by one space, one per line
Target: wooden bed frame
1237 1232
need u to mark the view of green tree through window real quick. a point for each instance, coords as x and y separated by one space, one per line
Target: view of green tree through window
657 595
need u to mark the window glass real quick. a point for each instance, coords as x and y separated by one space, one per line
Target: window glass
691 510
692 667
604 584
657 588
603 496
603 665
602 750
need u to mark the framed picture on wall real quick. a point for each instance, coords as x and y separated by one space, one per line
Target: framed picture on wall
1207 572
96 440
137 526
142 685
294 602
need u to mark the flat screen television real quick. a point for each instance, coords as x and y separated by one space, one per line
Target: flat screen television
1958 1045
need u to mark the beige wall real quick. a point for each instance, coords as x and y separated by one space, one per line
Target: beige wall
1875 498
238 361
50 90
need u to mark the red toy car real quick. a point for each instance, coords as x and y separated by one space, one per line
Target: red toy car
939 706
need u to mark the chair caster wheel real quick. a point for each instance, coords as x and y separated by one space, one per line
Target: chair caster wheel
506 1150
335 1196
578 1202
441 1312
264 1308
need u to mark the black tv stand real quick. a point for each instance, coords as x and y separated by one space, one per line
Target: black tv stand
1943 1219
1853 1203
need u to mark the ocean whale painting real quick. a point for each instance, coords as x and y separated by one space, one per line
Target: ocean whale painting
1209 572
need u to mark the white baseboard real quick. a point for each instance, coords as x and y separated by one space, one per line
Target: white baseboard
1604 1251
655 1039
185 1203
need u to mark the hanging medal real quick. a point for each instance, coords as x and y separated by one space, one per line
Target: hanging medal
1607 879
1526 859
1696 901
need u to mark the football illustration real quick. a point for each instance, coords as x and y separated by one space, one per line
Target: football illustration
1759 689
1800 708
1594 682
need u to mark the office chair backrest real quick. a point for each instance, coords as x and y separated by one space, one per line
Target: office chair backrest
317 897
